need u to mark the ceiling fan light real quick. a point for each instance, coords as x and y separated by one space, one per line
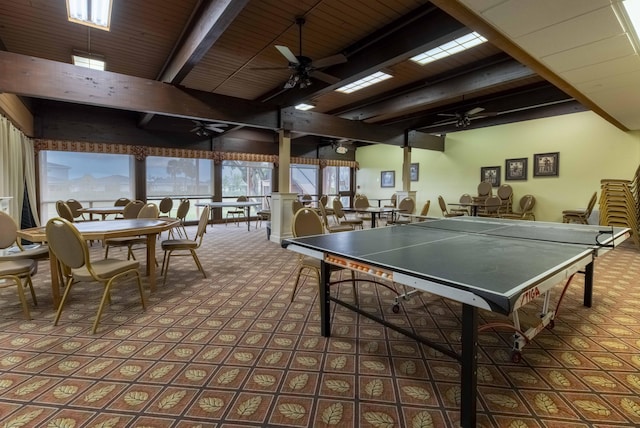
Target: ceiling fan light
341 150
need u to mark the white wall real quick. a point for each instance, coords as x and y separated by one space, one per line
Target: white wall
590 149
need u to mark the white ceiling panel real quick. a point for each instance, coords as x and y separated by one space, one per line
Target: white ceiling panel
594 53
603 70
581 30
516 18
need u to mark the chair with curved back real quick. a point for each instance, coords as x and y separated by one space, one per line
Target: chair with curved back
121 202
424 212
149 210
75 207
64 211
13 272
237 213
265 212
296 205
362 202
342 218
505 193
165 207
526 205
306 222
580 216
181 216
9 240
485 189
491 207
465 198
185 245
72 253
332 228
324 200
406 207
445 211
394 201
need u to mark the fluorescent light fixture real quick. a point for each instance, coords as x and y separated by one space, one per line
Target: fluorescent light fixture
304 106
632 9
458 45
364 82
89 62
94 13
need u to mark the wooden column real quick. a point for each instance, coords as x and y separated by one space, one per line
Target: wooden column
281 201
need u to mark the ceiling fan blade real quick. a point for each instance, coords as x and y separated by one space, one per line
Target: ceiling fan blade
448 114
195 129
474 110
270 68
286 52
324 77
214 129
328 61
443 123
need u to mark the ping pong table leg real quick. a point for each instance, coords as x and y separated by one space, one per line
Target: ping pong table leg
469 363
323 297
588 285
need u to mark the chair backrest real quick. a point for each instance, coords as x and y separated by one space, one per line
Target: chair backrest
466 199
241 199
183 209
202 224
407 206
484 188
523 201
425 208
323 215
166 204
492 204
267 201
296 205
505 192
528 204
443 205
337 208
74 205
66 243
361 202
306 222
121 202
8 230
592 203
324 199
132 209
394 199
306 197
64 211
149 210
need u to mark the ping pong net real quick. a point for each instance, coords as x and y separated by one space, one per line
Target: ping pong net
560 233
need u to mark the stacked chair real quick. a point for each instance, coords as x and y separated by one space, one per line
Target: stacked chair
505 193
620 204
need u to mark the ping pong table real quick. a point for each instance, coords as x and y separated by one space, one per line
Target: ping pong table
483 263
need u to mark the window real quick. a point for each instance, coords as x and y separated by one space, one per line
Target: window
336 179
178 177
251 179
304 179
94 179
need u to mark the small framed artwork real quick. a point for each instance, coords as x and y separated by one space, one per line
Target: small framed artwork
546 164
414 169
490 174
515 169
388 179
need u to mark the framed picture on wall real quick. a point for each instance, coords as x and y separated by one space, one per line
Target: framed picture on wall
388 179
546 164
490 174
414 169
515 169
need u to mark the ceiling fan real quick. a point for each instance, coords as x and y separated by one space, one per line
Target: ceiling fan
203 129
462 120
303 67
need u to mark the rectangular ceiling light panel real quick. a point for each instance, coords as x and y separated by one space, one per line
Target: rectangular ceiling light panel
94 13
458 45
364 82
88 62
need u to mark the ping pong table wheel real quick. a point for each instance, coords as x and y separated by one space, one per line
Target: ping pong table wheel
551 324
516 356
396 308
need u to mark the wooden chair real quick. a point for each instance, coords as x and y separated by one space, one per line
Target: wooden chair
445 211
505 193
342 218
187 246
72 253
485 189
64 211
406 207
75 207
237 213
580 216
491 207
306 222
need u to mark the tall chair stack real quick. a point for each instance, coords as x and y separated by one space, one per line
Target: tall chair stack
620 204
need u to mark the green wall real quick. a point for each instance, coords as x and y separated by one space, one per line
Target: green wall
590 149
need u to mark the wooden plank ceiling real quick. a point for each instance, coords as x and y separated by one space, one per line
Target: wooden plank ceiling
222 47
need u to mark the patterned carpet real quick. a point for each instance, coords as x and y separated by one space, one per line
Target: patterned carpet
232 351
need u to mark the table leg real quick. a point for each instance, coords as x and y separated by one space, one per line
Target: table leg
373 220
248 213
323 298
151 261
588 285
469 362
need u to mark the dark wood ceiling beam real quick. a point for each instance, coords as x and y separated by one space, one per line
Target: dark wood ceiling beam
212 19
46 79
414 33
453 89
460 12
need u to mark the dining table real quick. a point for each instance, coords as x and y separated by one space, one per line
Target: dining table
101 230
246 205
373 212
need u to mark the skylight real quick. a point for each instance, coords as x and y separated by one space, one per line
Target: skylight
632 8
364 82
89 62
303 106
94 13
458 45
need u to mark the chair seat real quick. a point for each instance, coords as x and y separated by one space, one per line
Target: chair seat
174 244
17 267
339 228
573 212
38 253
105 268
